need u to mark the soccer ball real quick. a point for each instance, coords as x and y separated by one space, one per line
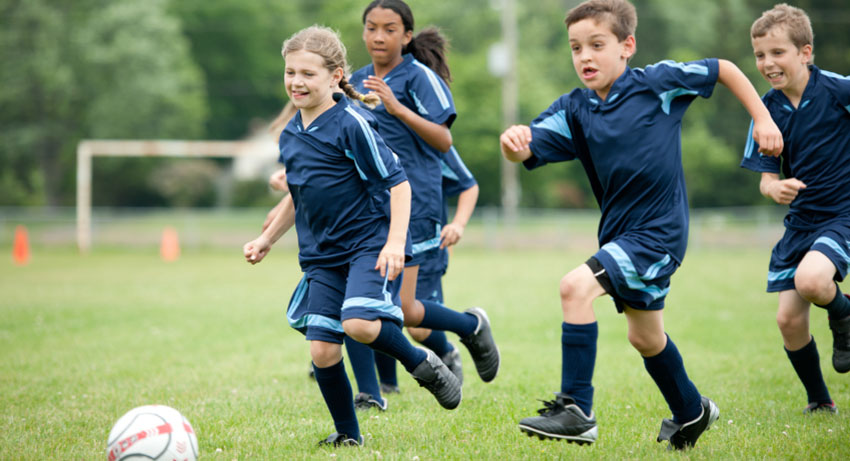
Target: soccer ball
153 432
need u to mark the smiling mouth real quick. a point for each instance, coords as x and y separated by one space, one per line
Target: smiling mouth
774 75
588 72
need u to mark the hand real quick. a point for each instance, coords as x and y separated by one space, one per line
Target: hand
277 180
451 234
516 138
768 137
379 87
785 191
256 249
391 260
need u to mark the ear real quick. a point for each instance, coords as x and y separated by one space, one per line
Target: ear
336 77
629 47
806 53
406 38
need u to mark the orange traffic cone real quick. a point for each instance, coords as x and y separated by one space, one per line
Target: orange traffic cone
21 247
169 248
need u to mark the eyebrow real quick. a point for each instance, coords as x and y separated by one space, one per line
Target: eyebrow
373 23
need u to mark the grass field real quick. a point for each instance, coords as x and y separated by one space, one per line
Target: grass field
85 338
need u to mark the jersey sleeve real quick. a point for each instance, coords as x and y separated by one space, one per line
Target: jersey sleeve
754 160
671 80
456 177
551 136
376 164
431 96
839 86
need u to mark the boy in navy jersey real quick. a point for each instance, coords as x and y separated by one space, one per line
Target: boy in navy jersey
350 203
812 108
625 129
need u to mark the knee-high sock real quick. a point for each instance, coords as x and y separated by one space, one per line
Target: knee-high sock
806 363
839 307
578 358
386 369
668 371
391 341
438 343
439 317
336 390
362 359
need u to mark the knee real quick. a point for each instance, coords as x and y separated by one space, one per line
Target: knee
362 331
813 288
571 294
325 354
419 334
648 345
789 324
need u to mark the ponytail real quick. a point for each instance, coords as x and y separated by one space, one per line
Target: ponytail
370 100
429 47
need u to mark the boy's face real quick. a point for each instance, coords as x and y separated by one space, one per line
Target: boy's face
598 57
781 63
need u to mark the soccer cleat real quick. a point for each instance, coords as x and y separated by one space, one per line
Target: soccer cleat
561 419
387 388
312 373
336 440
482 348
364 401
815 407
840 344
432 374
683 436
452 361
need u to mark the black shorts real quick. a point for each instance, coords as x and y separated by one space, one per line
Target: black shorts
601 275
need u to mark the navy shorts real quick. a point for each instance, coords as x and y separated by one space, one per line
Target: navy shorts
326 296
429 286
830 237
425 235
639 277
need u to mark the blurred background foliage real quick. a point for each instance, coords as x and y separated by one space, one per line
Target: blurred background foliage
209 69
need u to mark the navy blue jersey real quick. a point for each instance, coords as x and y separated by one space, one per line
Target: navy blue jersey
339 171
424 92
630 147
817 144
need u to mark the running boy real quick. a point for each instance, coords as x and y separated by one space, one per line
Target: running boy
350 203
625 129
813 108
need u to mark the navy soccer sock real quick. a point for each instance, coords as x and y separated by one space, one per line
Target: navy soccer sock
391 341
438 343
362 359
439 317
386 369
668 372
839 307
806 362
336 389
578 357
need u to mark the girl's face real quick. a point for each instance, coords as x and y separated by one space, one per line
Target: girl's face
598 56
384 36
308 83
781 63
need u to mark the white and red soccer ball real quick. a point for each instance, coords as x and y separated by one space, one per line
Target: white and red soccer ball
153 432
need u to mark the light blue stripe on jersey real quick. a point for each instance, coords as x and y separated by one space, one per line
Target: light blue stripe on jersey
685 67
634 281
429 244
834 75
834 246
381 305
370 138
667 97
350 155
447 171
435 84
751 143
781 275
309 320
557 123
419 106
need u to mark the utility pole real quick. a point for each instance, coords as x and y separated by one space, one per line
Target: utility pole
510 110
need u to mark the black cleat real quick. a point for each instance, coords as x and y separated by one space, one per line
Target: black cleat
336 439
840 344
364 401
815 407
390 389
561 419
683 436
482 347
452 361
432 374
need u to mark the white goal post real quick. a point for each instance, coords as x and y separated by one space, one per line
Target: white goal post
88 149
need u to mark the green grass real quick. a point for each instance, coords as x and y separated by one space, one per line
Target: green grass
85 338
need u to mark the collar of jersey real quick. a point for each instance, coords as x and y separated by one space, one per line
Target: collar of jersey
613 94
341 102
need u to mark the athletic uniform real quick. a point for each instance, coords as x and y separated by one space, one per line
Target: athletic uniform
817 152
420 89
630 147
